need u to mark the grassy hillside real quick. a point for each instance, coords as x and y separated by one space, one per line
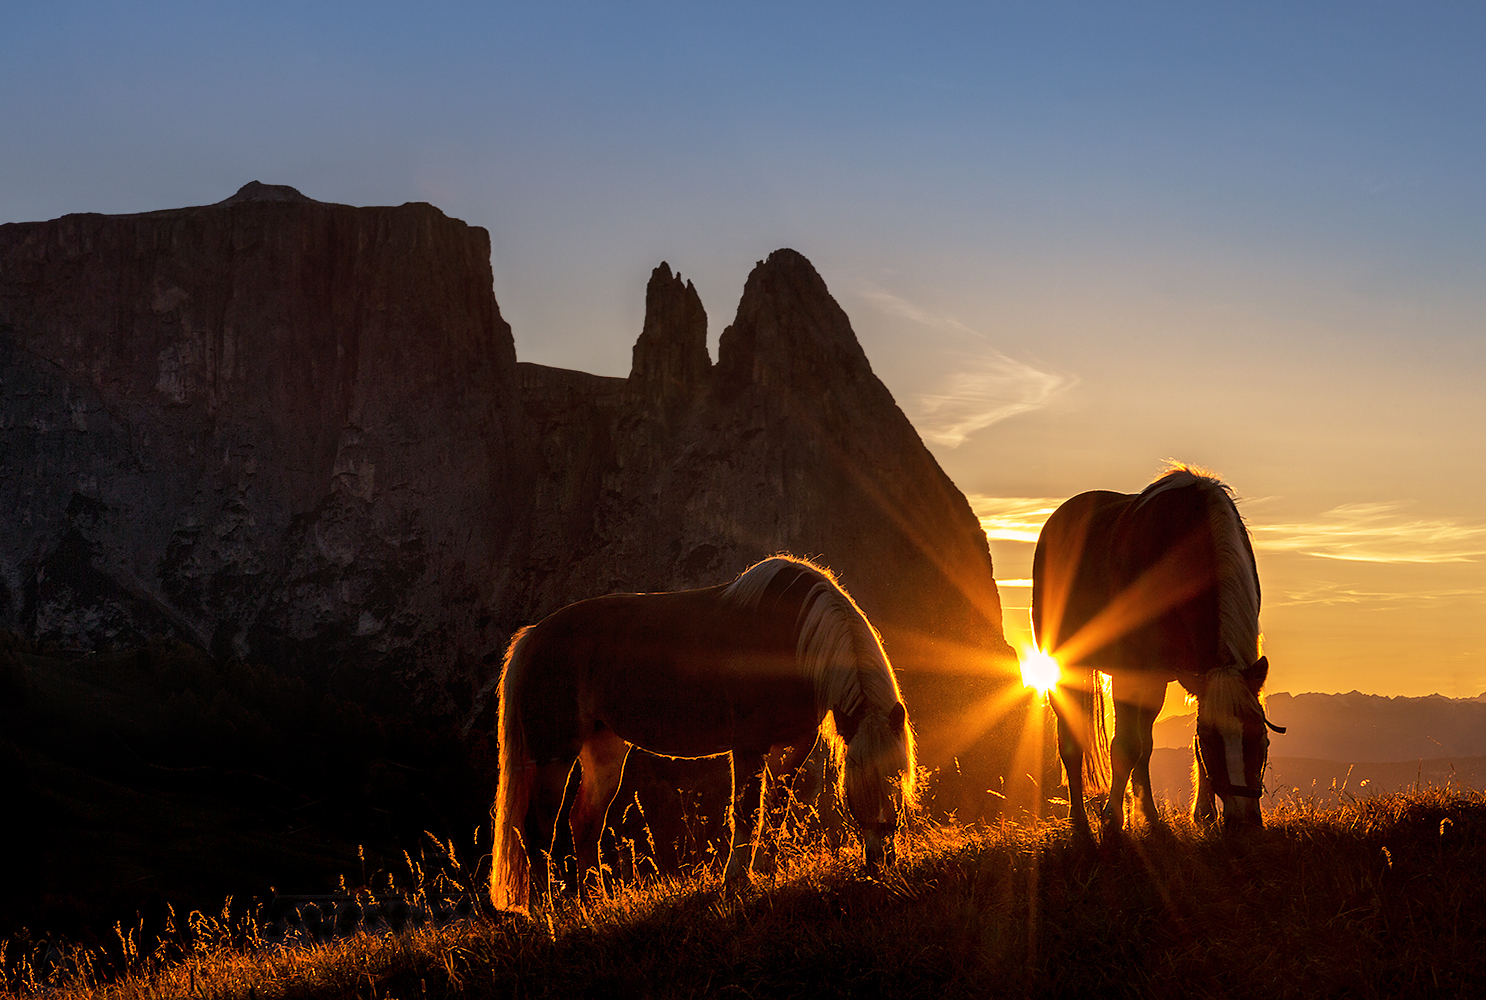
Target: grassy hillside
1384 897
153 778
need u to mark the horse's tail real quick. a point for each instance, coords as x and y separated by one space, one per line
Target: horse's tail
1093 702
510 877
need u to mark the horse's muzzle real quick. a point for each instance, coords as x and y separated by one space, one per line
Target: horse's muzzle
1241 813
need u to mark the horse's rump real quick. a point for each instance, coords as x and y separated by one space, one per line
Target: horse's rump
1073 578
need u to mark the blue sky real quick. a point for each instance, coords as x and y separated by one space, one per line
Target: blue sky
1075 239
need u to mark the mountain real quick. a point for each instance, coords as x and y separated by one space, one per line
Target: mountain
1358 728
297 434
1340 745
279 429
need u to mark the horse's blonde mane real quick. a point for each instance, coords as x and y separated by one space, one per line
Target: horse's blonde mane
1227 700
834 634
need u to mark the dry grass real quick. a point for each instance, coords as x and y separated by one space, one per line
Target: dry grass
1383 897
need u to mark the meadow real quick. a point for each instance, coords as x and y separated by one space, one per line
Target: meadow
1381 897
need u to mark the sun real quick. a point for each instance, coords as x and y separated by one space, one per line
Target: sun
1040 670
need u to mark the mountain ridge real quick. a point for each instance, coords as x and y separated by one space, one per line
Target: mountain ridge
1362 728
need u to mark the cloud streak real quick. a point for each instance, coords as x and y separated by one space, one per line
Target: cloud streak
887 302
1332 594
1376 533
982 386
1012 519
1361 532
987 389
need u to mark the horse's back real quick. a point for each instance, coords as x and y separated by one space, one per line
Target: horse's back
1158 522
1169 536
683 674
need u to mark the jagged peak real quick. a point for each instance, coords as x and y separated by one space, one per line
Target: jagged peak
789 326
672 348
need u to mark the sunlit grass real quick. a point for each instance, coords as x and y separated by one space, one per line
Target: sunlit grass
1382 897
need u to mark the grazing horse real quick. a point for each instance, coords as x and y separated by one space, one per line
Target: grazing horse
1150 588
736 669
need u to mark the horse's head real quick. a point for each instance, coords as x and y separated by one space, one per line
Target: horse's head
1233 741
878 778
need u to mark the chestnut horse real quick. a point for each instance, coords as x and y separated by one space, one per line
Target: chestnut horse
771 660
1150 588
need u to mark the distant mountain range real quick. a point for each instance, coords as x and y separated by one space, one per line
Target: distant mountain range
1341 745
1361 728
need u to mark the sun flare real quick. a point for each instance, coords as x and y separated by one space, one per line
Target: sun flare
1040 670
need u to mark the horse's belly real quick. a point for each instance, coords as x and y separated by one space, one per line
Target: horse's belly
681 713
701 736
667 743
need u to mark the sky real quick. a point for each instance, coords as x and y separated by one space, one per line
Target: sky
1075 239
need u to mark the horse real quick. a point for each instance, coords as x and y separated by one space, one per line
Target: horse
1150 588
772 661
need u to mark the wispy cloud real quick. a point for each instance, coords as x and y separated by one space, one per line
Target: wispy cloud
1331 594
1376 532
986 389
1012 519
897 305
982 386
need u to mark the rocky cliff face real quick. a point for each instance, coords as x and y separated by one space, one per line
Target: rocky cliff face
685 473
275 427
297 433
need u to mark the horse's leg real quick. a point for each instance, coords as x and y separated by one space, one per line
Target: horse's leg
748 769
782 784
785 786
1204 808
1071 752
539 828
813 791
1124 749
1138 698
1150 699
789 760
602 759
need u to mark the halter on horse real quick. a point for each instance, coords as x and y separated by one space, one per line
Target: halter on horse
1150 588
735 669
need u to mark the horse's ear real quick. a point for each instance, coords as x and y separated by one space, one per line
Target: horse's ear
1256 674
897 716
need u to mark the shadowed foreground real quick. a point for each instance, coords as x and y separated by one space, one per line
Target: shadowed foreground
1384 897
